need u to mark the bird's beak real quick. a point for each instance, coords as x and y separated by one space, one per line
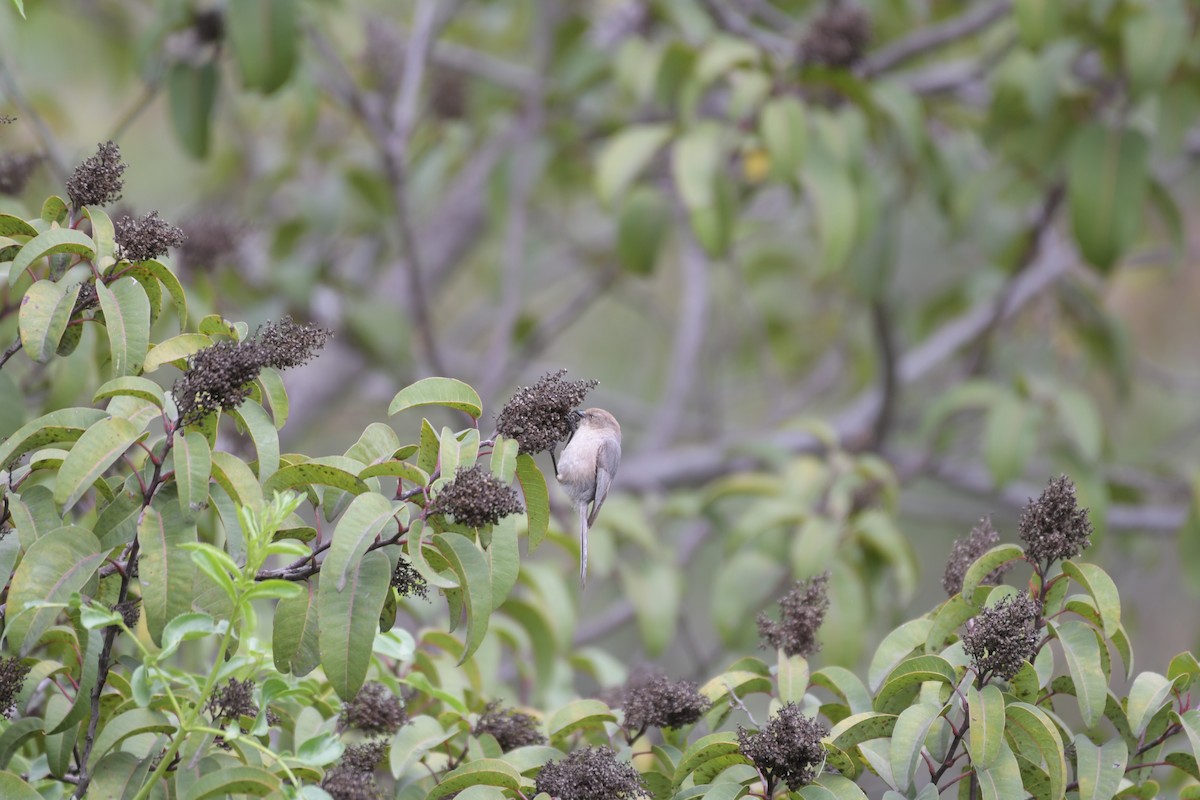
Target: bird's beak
575 415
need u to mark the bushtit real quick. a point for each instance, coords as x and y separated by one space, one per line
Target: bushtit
586 469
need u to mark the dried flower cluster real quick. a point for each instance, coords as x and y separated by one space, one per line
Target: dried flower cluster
209 241
538 416
374 710
511 728
476 498
219 377
837 38
87 297
232 701
131 612
15 170
1054 526
966 551
366 756
353 777
1003 636
593 773
663 703
407 581
788 748
802 610
146 237
12 680
98 180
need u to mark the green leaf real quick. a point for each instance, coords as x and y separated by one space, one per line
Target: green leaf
131 386
56 240
783 131
997 557
265 35
366 516
238 481
625 156
127 320
52 569
837 210
1154 37
842 788
350 620
1082 652
191 92
858 728
743 584
1147 696
309 472
1100 769
474 577
12 406
1038 21
14 735
906 678
446 392
707 757
503 463
695 163
414 740
159 271
276 394
481 772
846 685
1009 437
237 780
578 715
908 738
504 559
643 226
1106 183
54 210
263 433
12 786
1100 586
1002 780
15 226
897 646
792 674
1029 723
166 571
97 450
193 469
654 588
43 317
174 349
103 234
294 644
63 425
537 498
986 713
128 723
1190 720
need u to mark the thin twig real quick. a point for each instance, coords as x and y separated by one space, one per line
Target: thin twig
924 40
688 346
889 386
49 144
10 351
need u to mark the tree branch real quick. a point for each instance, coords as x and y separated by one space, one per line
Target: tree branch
650 471
924 40
57 165
688 346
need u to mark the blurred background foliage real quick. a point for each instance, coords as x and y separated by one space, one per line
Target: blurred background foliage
848 274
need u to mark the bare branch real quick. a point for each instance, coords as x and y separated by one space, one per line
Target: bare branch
54 156
649 470
978 18
732 21
688 345
889 389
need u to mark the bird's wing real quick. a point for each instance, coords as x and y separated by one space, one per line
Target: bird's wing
608 456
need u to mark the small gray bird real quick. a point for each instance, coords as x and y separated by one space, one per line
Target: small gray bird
587 467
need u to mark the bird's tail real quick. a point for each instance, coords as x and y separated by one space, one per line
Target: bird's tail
583 533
